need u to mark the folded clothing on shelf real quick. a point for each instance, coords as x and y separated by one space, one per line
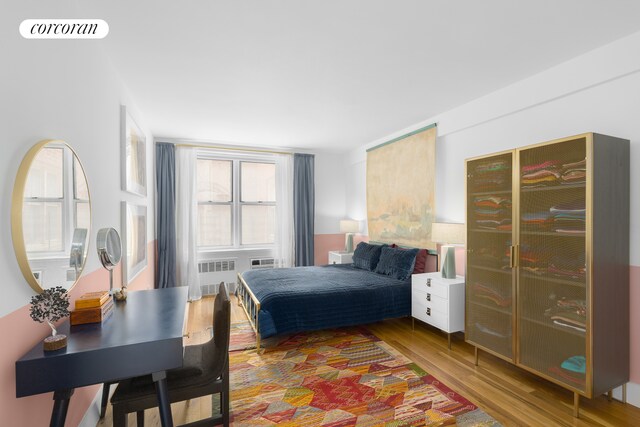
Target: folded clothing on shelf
569 313
573 173
488 293
490 257
573 267
572 370
537 220
534 257
498 332
539 174
491 175
492 212
576 364
567 218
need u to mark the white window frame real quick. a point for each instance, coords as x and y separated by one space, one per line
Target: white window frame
236 201
67 210
76 200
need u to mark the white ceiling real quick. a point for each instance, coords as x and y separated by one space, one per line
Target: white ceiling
331 74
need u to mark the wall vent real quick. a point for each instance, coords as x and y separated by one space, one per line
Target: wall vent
259 263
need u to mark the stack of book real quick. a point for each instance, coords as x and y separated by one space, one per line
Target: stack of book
92 307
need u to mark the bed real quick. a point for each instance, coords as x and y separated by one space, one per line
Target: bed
289 300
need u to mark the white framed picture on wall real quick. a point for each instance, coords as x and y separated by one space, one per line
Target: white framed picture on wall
133 155
134 224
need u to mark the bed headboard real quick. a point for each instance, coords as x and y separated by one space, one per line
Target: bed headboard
432 255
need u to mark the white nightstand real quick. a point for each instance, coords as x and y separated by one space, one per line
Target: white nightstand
337 257
438 302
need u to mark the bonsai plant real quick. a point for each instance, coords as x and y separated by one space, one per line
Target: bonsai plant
50 306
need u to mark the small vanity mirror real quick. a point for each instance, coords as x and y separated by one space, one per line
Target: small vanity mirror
109 251
51 216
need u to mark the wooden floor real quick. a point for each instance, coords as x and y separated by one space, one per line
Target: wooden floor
511 395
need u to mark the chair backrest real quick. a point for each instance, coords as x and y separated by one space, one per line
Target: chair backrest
222 323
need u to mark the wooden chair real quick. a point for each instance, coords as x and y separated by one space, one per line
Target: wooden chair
205 372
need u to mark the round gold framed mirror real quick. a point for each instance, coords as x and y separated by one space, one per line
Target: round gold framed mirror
51 216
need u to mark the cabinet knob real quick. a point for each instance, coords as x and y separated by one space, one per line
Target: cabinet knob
428 297
429 283
428 311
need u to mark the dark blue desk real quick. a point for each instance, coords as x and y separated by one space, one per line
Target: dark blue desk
144 336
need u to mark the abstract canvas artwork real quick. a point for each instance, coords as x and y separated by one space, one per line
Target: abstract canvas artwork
400 189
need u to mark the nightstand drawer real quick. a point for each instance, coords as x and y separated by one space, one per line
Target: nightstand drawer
421 283
336 257
422 311
432 300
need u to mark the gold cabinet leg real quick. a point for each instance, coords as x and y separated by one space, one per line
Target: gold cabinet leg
610 395
624 393
576 405
257 342
449 339
476 357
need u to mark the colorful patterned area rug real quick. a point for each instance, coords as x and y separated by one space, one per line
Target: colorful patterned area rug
242 336
341 378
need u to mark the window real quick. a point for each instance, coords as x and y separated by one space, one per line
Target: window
56 200
44 198
236 202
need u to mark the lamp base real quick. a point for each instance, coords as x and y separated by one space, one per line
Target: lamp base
449 262
348 242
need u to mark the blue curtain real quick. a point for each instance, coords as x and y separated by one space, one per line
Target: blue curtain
303 207
166 214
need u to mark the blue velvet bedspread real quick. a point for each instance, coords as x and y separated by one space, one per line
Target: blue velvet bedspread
311 298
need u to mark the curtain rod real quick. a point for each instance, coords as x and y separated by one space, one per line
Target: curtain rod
249 150
432 125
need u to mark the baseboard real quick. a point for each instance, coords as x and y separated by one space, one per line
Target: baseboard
92 416
633 394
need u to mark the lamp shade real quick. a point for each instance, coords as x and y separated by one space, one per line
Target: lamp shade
349 226
444 232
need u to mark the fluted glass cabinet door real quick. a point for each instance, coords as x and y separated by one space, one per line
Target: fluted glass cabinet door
552 285
490 277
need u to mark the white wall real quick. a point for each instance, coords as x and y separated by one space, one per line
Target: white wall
330 181
598 91
67 90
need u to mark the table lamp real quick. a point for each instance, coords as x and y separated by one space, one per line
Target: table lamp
449 235
349 226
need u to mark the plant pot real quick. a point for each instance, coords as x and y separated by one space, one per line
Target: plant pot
55 342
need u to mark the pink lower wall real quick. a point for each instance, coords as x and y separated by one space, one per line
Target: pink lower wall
323 243
634 307
20 333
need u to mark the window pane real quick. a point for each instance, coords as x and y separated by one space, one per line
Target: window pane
42 226
214 180
80 188
46 174
214 225
258 224
83 215
258 182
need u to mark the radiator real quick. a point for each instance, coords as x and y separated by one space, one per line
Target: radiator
214 271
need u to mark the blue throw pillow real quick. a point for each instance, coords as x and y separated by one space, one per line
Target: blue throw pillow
366 256
397 263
